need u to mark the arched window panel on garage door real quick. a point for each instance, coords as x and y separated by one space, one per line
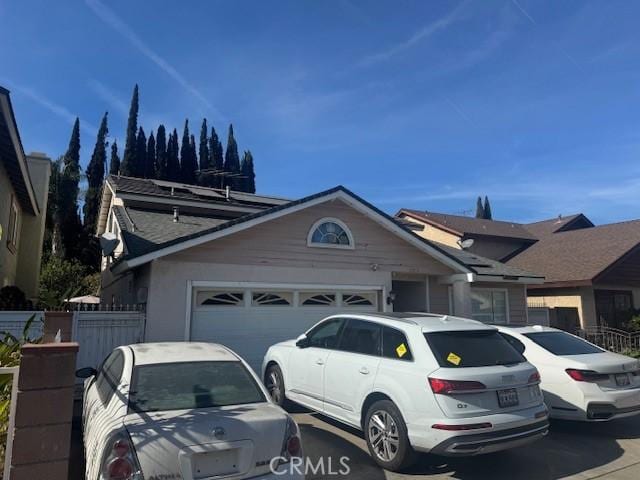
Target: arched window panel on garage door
318 299
359 299
271 299
218 298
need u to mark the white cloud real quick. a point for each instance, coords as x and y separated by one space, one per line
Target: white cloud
53 107
418 36
110 18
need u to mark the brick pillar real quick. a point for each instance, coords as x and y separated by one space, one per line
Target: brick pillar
54 321
42 435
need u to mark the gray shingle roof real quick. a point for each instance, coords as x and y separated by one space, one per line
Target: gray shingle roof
208 196
471 225
579 255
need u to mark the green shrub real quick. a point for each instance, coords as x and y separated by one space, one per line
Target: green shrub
630 352
10 357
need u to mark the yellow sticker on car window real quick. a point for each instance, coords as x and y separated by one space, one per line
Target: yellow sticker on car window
401 350
453 358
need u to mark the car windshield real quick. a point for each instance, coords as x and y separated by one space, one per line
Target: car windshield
563 343
191 385
472 348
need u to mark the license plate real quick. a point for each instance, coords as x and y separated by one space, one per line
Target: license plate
622 379
508 398
211 464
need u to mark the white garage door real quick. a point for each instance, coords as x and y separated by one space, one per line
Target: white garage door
250 320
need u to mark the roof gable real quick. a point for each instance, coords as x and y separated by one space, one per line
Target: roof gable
560 224
460 225
248 221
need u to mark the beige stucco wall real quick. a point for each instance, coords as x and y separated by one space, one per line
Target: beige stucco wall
32 231
8 259
435 234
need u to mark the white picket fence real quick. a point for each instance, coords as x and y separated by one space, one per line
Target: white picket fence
14 322
98 333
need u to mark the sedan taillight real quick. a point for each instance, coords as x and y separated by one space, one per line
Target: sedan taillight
292 445
535 377
447 387
119 460
586 375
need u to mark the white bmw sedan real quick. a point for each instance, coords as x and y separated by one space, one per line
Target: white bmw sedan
183 411
580 381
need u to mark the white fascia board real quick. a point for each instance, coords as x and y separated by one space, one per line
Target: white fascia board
338 195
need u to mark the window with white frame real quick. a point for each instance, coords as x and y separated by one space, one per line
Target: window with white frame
489 305
330 233
271 299
12 237
220 298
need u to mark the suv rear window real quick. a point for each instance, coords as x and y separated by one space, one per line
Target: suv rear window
472 348
191 385
562 343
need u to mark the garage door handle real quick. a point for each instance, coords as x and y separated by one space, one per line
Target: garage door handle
320 361
364 371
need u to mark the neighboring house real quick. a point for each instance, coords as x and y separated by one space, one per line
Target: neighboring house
24 186
592 273
249 270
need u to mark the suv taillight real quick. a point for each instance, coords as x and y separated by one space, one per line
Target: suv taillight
586 375
447 387
119 460
292 445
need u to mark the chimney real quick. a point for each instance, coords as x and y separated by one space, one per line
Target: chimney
176 214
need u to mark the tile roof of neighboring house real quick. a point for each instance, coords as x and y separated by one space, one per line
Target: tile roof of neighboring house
12 156
461 225
146 231
553 225
579 255
176 190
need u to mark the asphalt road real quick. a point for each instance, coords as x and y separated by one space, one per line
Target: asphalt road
571 450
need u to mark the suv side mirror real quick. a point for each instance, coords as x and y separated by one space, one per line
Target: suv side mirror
302 341
86 372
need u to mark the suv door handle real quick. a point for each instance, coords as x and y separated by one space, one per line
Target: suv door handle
364 371
319 361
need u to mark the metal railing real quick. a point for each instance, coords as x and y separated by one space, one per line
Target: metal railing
612 338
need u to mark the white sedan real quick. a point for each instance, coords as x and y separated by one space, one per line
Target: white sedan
183 411
580 381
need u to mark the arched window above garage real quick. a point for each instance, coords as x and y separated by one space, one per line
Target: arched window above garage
330 233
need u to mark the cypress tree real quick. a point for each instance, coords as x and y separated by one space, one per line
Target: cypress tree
216 161
479 208
95 177
173 164
70 225
141 153
161 154
231 162
487 209
188 164
150 170
130 163
114 162
205 157
248 173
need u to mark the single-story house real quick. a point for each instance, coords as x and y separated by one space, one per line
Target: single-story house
251 270
592 273
24 187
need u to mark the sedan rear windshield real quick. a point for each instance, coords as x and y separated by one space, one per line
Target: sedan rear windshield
563 343
191 385
472 348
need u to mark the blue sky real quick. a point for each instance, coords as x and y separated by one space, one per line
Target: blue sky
421 104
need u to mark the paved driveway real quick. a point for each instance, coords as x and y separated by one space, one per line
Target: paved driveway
581 451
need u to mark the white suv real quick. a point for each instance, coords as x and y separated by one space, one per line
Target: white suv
412 382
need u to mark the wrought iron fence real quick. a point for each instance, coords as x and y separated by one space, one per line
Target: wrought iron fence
612 338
